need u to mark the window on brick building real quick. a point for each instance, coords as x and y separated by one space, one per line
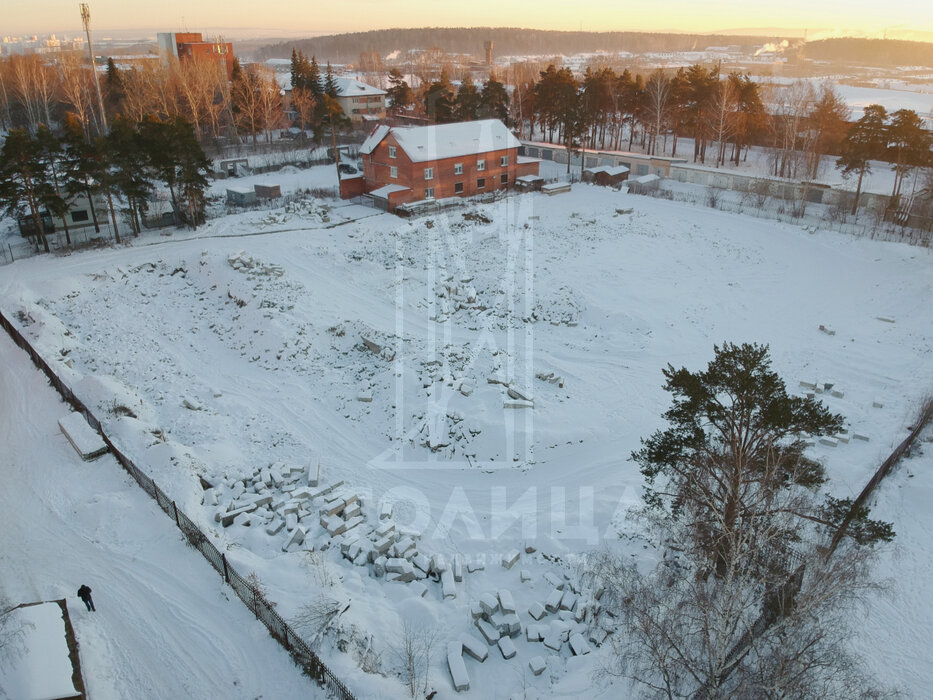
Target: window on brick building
393 172
458 187
504 161
429 193
458 168
481 165
391 151
504 178
481 183
429 173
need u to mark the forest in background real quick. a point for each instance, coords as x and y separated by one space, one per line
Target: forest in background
346 48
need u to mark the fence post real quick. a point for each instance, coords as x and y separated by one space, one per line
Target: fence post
175 508
285 635
223 558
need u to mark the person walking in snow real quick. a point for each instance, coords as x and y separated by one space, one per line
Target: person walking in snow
84 593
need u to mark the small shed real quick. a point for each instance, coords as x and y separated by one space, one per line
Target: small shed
240 196
529 183
267 191
388 197
233 167
644 184
555 188
606 176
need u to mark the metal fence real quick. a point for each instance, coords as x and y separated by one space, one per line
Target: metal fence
246 591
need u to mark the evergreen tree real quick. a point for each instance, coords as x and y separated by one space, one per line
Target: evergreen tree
82 171
494 101
114 88
128 163
467 105
732 444
330 84
51 153
865 140
439 100
25 186
399 93
909 144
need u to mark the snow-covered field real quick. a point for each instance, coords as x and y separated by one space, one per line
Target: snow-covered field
512 360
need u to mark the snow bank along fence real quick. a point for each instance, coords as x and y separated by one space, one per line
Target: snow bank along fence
247 592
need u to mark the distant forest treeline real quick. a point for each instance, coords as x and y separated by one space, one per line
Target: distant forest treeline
875 52
346 48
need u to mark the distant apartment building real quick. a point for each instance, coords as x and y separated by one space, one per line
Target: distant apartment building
187 45
360 102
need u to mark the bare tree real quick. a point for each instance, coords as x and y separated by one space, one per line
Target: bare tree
35 84
657 115
77 89
413 650
790 105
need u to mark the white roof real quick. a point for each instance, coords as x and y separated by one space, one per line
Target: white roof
350 87
241 190
384 191
529 178
611 171
374 138
425 143
645 179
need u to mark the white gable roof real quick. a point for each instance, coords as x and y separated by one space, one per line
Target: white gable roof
350 87
438 141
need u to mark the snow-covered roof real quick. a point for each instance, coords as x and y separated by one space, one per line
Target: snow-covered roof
241 190
350 87
528 159
529 178
438 141
384 191
610 171
374 138
645 179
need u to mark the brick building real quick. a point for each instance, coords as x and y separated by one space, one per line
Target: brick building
187 45
411 164
360 102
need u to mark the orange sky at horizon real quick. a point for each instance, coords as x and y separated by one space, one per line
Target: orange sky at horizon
859 17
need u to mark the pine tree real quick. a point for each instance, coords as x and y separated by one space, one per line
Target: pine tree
494 101
467 103
865 140
24 181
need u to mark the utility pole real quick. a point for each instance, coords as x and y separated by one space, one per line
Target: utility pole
86 20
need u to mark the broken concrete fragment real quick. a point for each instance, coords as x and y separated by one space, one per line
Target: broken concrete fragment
298 536
510 558
275 527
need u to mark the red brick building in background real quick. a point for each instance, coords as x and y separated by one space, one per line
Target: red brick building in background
188 45
411 164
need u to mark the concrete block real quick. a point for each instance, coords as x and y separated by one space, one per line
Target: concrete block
490 634
578 645
510 558
489 603
458 568
877 403
533 633
829 441
553 641
568 600
476 610
837 394
334 524
379 567
537 611
352 510
553 600
417 589
406 544
275 527
506 602
448 587
382 546
536 665
507 647
524 575
386 511
475 566
458 672
554 580
439 563
422 562
859 436
474 647
385 529
354 522
298 536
